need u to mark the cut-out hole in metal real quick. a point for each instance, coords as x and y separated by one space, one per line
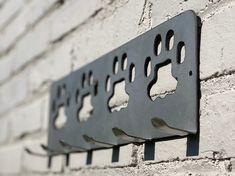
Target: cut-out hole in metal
145 89
87 108
163 82
190 73
169 39
77 97
158 44
147 66
181 52
124 61
119 94
107 83
132 73
90 78
61 118
115 65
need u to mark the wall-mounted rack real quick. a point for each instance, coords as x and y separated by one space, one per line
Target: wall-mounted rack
143 118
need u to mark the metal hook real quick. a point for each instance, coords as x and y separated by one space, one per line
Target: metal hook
70 147
162 125
93 141
52 151
121 134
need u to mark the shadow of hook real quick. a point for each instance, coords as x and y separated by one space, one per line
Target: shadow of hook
29 151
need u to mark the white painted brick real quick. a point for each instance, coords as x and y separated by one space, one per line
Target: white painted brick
98 38
33 44
40 164
125 155
35 163
77 160
48 30
55 65
32 162
217 124
220 85
58 163
217 41
102 157
5 68
27 118
233 164
1 3
170 150
71 15
170 10
39 38
27 17
45 111
10 160
35 10
13 92
4 131
10 9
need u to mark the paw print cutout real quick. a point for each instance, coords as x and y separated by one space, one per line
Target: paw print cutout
162 80
84 96
115 83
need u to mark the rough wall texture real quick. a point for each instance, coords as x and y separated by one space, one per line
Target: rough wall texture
43 40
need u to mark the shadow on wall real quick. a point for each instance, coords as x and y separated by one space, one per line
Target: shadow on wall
191 150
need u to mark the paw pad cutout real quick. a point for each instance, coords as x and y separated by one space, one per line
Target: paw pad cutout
84 97
119 98
163 82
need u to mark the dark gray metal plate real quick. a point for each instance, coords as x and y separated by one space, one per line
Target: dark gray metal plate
143 119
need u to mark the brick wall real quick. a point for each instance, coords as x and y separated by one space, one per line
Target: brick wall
41 41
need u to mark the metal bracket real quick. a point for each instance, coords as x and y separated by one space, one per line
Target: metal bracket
143 118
